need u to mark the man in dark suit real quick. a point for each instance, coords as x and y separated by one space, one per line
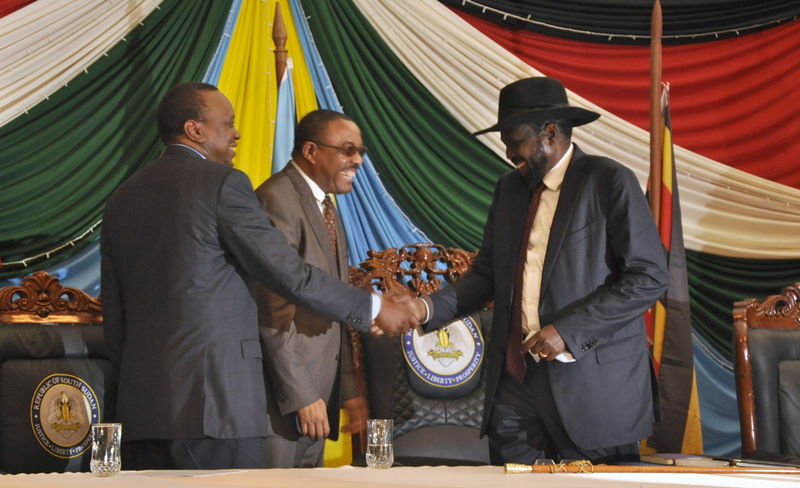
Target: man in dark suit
309 358
572 259
181 240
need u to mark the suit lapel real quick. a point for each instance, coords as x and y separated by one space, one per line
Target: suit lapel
574 180
313 216
341 243
510 221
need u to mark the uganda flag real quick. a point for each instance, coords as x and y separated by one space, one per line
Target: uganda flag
669 323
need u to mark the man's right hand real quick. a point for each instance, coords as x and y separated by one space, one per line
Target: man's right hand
397 316
419 309
313 420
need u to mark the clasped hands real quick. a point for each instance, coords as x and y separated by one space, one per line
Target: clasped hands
400 312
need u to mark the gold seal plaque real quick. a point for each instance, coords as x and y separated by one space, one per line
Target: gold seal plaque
63 408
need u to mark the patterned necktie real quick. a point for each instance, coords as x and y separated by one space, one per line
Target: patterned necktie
330 221
515 358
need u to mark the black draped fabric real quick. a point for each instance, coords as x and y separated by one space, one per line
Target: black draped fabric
628 21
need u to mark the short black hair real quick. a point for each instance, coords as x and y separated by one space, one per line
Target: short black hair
182 102
312 125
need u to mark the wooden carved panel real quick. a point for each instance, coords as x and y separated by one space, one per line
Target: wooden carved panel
420 268
776 311
41 298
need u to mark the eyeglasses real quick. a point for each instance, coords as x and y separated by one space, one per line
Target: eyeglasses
348 150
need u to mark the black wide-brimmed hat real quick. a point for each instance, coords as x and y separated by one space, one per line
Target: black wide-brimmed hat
534 100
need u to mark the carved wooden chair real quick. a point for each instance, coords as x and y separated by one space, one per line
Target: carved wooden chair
55 376
432 425
767 363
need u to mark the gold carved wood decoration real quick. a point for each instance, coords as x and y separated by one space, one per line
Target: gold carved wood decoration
41 298
420 268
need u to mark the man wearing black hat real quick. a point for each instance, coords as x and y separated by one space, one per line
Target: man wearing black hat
572 259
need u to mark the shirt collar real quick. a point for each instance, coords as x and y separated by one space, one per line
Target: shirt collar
553 179
191 148
319 194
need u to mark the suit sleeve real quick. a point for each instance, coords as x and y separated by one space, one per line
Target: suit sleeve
472 291
640 276
264 254
287 368
113 304
275 311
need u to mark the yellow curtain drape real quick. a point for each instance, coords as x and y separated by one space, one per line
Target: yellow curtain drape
248 80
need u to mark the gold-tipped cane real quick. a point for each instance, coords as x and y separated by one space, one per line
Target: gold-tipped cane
587 467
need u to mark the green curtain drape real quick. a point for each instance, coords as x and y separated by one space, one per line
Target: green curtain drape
716 282
61 160
439 174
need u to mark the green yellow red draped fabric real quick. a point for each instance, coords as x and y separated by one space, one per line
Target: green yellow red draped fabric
419 77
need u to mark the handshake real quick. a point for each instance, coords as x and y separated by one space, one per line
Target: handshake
400 312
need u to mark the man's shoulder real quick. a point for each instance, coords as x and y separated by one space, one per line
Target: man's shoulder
180 173
189 164
580 158
597 160
284 186
279 182
600 167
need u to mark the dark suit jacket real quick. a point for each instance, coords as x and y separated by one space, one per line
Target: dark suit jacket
304 351
604 267
181 238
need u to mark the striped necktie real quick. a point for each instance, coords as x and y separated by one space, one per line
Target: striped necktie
329 214
515 358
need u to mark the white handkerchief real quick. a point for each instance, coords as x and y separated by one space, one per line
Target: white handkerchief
564 357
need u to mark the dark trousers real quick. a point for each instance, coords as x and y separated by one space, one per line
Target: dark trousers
525 425
302 453
206 453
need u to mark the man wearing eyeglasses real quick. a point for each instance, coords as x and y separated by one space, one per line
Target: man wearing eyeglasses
309 361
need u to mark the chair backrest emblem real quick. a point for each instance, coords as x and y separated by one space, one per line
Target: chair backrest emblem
63 408
448 357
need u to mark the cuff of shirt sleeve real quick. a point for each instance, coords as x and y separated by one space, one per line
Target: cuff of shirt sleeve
428 307
427 310
376 306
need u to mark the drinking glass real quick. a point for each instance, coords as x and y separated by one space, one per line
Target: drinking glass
106 439
380 451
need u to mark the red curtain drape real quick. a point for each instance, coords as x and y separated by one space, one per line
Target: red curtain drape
734 101
8 6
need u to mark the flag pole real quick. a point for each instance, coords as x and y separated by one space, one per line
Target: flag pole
656 115
279 36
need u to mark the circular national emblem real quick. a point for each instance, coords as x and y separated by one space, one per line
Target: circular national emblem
447 357
63 408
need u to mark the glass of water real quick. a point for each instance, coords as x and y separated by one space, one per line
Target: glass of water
106 441
380 451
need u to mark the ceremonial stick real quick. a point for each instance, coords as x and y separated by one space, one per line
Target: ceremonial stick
588 467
